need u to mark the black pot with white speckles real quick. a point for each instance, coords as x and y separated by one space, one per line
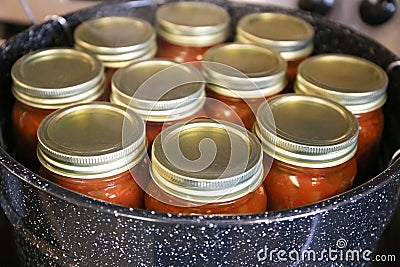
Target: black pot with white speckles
56 227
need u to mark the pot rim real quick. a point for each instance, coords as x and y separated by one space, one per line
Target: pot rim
390 174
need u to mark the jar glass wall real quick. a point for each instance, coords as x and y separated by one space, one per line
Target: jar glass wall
290 186
120 189
253 202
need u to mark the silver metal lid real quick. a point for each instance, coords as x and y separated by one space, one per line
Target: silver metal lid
159 89
207 161
192 23
354 82
116 41
244 70
290 35
56 77
307 131
92 140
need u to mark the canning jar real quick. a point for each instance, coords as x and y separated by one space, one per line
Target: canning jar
46 80
240 77
287 34
360 86
206 167
187 29
97 149
311 142
163 92
117 42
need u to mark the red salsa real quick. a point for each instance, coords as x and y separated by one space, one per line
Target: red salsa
180 53
119 189
233 109
371 128
254 202
290 186
26 121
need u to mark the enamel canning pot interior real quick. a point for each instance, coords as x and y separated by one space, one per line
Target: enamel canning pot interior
55 225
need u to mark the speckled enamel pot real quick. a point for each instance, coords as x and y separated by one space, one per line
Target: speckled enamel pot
54 226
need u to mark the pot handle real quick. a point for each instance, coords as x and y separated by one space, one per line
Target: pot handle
395 157
64 24
61 20
393 65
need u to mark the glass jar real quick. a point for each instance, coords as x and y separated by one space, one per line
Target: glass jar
44 81
360 86
287 34
206 167
311 142
240 77
161 91
97 149
117 42
187 29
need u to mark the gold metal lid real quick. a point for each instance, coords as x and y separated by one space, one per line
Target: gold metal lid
207 161
354 82
116 41
92 140
192 23
290 35
307 131
56 77
244 70
159 89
